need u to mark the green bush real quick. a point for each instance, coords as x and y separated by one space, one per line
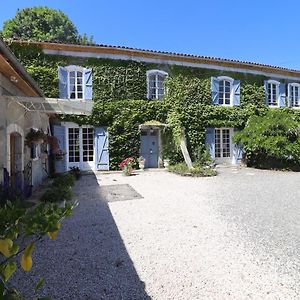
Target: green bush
57 194
61 189
64 180
271 140
198 170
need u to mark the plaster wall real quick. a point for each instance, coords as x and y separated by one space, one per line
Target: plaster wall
15 118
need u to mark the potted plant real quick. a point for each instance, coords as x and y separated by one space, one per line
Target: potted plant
166 163
35 136
126 166
142 162
76 172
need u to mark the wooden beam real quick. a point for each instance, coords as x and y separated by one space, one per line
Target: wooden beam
8 71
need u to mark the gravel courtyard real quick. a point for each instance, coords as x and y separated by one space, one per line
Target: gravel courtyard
157 235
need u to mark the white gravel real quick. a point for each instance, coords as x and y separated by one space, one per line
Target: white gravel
234 236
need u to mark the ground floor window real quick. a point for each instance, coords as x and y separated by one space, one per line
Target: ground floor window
80 146
222 143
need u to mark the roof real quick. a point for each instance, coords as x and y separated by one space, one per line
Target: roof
163 56
12 69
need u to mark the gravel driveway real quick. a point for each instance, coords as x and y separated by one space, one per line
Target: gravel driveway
234 236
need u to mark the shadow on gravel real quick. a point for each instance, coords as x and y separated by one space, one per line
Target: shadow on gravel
88 259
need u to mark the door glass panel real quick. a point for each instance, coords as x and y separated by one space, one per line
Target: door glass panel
226 142
222 143
74 147
88 144
217 143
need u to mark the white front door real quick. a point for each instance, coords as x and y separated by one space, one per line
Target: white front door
80 147
223 145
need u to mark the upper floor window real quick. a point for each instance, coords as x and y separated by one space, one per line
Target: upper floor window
225 91
75 86
75 82
294 94
272 93
156 84
275 93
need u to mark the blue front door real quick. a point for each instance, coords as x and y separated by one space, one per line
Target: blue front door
149 147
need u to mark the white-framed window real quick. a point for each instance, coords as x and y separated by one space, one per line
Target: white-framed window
272 90
35 151
75 82
225 90
294 94
156 84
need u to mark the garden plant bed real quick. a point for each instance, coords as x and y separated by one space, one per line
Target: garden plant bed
198 171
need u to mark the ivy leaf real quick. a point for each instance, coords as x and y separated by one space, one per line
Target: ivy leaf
29 249
26 259
40 283
26 262
5 246
52 235
9 270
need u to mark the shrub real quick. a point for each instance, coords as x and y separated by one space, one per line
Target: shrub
60 189
57 194
67 179
198 170
272 140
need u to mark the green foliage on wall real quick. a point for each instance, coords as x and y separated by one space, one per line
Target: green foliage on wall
119 91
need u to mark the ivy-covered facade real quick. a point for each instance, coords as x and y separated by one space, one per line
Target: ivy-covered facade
145 100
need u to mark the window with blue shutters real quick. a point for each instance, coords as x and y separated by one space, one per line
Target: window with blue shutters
225 91
294 94
75 82
275 93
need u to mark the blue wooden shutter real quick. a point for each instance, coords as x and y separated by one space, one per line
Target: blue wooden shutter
281 96
63 82
238 152
210 141
88 80
289 97
236 92
215 90
266 91
101 151
60 133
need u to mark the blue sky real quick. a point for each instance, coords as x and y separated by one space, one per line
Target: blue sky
259 31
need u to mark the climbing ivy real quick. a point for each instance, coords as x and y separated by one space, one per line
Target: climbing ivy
119 93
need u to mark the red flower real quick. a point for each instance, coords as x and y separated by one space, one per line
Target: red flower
127 162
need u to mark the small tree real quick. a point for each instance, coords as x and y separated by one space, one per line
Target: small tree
272 140
41 24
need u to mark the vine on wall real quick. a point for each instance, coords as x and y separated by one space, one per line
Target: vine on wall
119 91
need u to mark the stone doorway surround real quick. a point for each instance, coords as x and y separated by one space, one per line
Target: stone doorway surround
155 125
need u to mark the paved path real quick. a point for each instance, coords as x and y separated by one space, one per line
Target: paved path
234 236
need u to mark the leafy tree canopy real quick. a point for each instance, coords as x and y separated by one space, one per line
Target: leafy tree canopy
41 23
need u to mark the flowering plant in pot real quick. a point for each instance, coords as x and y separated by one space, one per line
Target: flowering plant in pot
126 165
35 136
76 172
